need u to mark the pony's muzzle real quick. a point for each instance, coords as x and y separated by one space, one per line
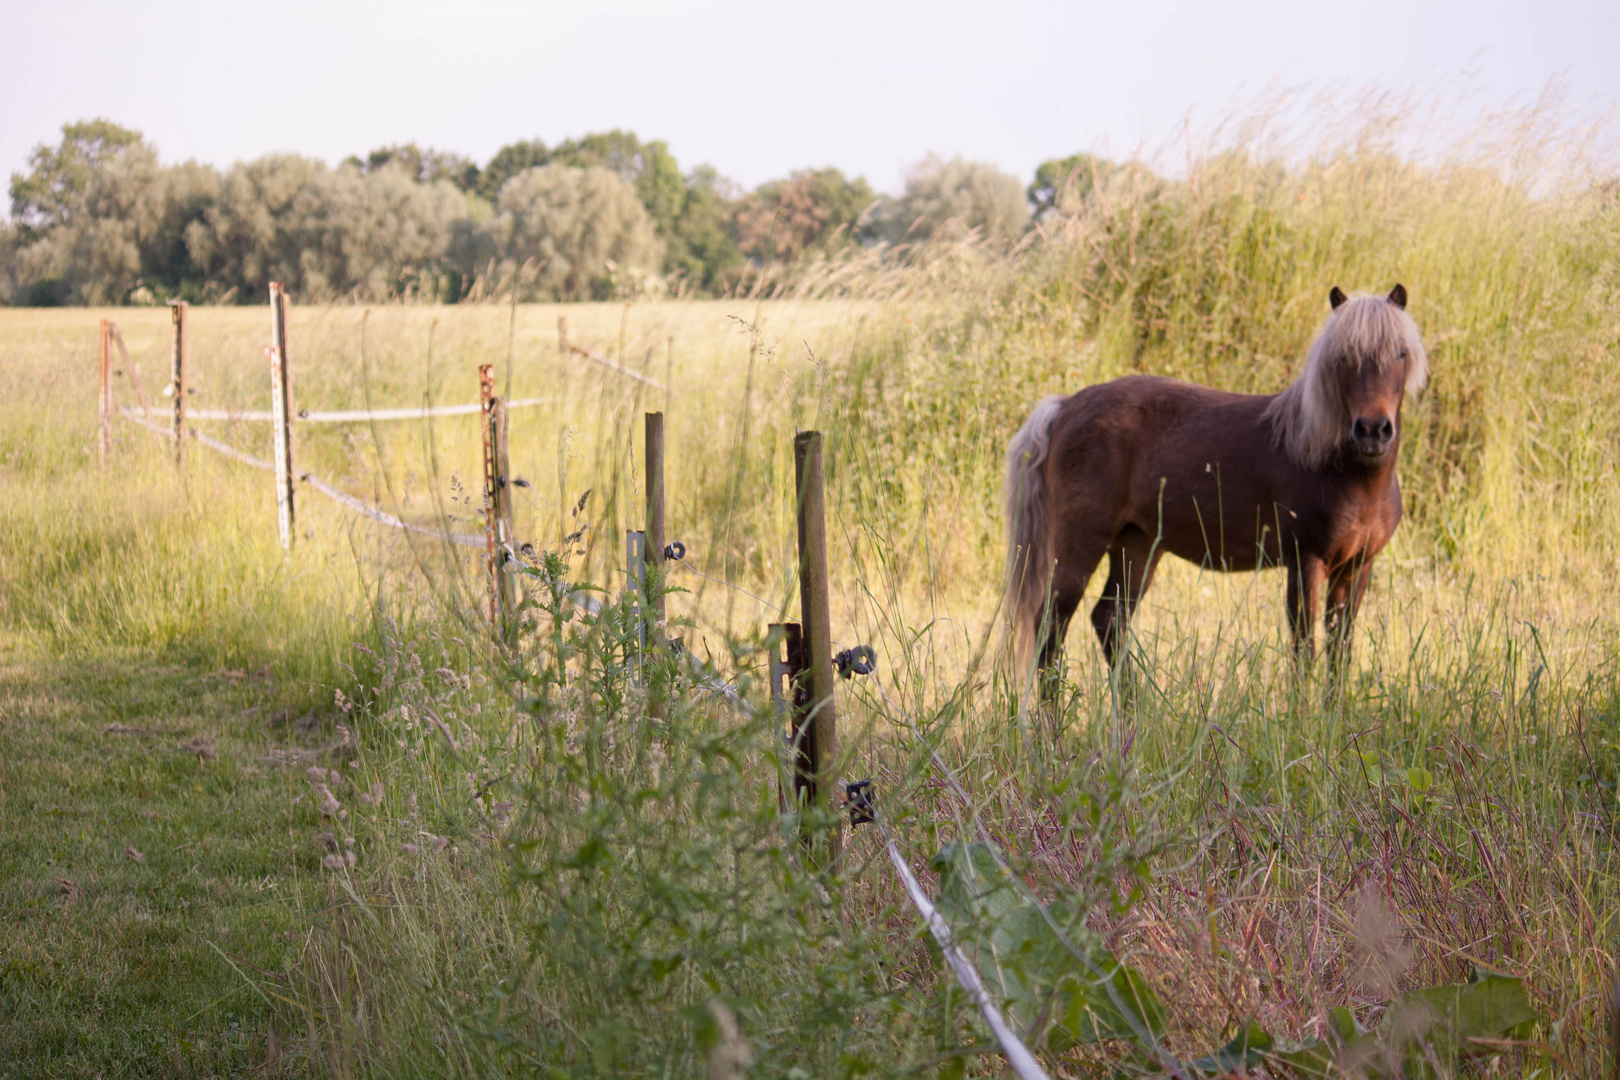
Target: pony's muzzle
1372 435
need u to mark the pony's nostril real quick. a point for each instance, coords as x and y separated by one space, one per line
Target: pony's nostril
1374 430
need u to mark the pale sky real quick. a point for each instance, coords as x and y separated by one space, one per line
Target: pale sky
757 89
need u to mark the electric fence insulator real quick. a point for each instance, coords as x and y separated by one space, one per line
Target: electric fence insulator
860 660
858 798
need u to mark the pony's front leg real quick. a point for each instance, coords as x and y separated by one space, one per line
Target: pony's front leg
1346 587
1305 576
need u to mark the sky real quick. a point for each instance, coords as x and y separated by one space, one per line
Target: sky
756 89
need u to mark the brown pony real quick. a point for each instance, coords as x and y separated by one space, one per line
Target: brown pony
1143 465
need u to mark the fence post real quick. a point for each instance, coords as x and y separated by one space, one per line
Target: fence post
791 698
562 337
104 401
281 414
486 401
177 380
821 728
505 584
653 596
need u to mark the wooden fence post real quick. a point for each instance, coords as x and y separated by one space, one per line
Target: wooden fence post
562 337
104 400
281 414
177 380
821 728
653 596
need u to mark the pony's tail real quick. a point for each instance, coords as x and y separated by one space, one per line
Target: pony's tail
1029 557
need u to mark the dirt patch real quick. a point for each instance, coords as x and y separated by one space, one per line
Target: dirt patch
278 757
126 729
200 745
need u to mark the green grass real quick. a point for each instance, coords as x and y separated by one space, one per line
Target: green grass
118 966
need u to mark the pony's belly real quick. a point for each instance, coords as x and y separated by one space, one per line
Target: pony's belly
1220 541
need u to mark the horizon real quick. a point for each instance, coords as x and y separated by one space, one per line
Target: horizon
470 93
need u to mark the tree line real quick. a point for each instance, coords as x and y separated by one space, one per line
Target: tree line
99 219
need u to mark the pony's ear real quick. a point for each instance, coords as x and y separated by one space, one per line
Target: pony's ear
1337 297
1397 296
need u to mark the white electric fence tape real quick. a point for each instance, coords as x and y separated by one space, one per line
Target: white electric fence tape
618 368
344 416
343 497
335 494
1023 1063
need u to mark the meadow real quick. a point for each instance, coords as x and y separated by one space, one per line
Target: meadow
297 815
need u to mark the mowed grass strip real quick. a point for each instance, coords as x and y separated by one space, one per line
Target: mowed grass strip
148 864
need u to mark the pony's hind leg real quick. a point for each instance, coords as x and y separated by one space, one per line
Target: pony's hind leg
1131 561
1077 561
1068 586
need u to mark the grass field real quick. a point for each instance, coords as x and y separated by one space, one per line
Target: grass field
371 844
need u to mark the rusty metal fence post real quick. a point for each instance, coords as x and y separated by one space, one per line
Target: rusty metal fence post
486 401
281 415
177 380
505 543
791 696
818 733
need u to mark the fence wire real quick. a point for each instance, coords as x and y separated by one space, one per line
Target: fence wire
348 416
337 495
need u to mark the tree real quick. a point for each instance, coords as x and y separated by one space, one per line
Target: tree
950 199
423 166
580 227
701 251
649 167
508 161
186 191
98 217
783 220
375 235
327 233
689 213
1059 178
60 177
248 238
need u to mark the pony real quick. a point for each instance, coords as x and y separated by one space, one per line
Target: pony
1303 479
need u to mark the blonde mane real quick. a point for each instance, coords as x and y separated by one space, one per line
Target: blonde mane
1309 419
